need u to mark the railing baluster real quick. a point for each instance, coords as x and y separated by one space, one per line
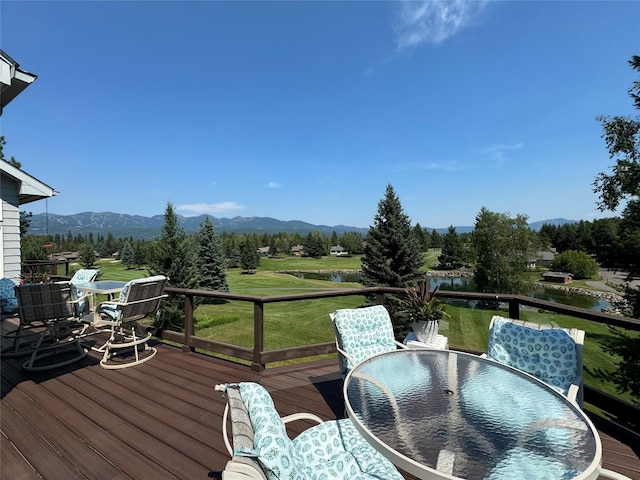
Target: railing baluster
258 336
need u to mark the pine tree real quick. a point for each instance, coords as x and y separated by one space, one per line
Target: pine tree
211 260
391 255
452 255
126 254
249 257
174 256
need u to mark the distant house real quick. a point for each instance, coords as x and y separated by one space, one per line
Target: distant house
297 250
557 277
263 251
543 259
338 251
16 188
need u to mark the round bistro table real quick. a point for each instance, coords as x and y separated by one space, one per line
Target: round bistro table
441 414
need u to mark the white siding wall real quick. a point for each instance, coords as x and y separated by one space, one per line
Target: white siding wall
10 228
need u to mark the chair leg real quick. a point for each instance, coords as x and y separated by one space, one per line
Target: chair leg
127 353
41 352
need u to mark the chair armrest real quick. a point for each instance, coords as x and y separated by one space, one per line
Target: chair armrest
612 475
400 344
301 416
574 390
346 355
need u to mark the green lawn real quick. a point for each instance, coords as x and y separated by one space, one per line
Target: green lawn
305 322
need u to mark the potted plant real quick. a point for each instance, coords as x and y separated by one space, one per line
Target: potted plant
423 309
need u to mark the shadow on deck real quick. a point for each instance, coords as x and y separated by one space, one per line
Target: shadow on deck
162 419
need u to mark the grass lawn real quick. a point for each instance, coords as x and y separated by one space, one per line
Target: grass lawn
306 322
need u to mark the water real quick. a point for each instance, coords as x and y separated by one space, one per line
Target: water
468 285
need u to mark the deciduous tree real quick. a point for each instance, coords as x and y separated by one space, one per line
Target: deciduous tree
504 246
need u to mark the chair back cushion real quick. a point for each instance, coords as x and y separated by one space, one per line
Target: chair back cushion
364 332
85 275
138 298
549 354
8 300
276 453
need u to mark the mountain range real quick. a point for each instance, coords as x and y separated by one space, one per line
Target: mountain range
122 225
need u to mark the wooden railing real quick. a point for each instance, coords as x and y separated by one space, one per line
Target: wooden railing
259 357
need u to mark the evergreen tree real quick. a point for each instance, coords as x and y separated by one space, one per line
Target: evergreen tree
127 254
249 257
87 255
504 247
314 245
174 256
211 261
453 251
391 255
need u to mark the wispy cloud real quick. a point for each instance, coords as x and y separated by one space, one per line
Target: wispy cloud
448 166
209 208
273 185
432 22
497 152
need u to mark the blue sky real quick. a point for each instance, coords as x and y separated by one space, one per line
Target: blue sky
307 110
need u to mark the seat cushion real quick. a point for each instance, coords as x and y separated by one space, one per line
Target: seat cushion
335 450
364 332
549 355
85 275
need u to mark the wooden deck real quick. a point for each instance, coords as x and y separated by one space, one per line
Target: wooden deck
159 420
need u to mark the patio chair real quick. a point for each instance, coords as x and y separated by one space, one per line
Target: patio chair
126 347
261 448
53 307
362 333
84 275
551 354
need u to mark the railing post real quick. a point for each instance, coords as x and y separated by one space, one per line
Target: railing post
189 326
258 336
514 309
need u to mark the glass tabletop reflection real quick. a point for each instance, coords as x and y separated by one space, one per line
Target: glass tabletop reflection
454 415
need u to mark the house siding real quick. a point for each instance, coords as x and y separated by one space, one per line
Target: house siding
10 226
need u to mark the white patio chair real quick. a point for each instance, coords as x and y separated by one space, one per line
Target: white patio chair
126 347
362 333
261 448
551 354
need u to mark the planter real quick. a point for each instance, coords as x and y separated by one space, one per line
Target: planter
425 330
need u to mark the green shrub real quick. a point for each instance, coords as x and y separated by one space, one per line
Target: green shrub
575 262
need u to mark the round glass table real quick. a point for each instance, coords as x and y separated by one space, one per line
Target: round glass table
443 414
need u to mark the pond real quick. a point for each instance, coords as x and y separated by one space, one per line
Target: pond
468 285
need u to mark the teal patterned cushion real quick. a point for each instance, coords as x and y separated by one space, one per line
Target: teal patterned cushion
335 450
549 355
8 301
364 332
521 463
276 454
330 451
85 275
112 309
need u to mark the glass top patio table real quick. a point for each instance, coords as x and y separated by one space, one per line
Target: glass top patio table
443 414
108 287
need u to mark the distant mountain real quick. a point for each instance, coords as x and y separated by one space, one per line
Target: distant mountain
136 226
146 228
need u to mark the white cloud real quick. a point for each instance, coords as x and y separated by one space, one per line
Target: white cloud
209 208
497 152
432 22
273 185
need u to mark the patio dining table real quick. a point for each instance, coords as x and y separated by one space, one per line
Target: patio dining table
105 287
442 414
